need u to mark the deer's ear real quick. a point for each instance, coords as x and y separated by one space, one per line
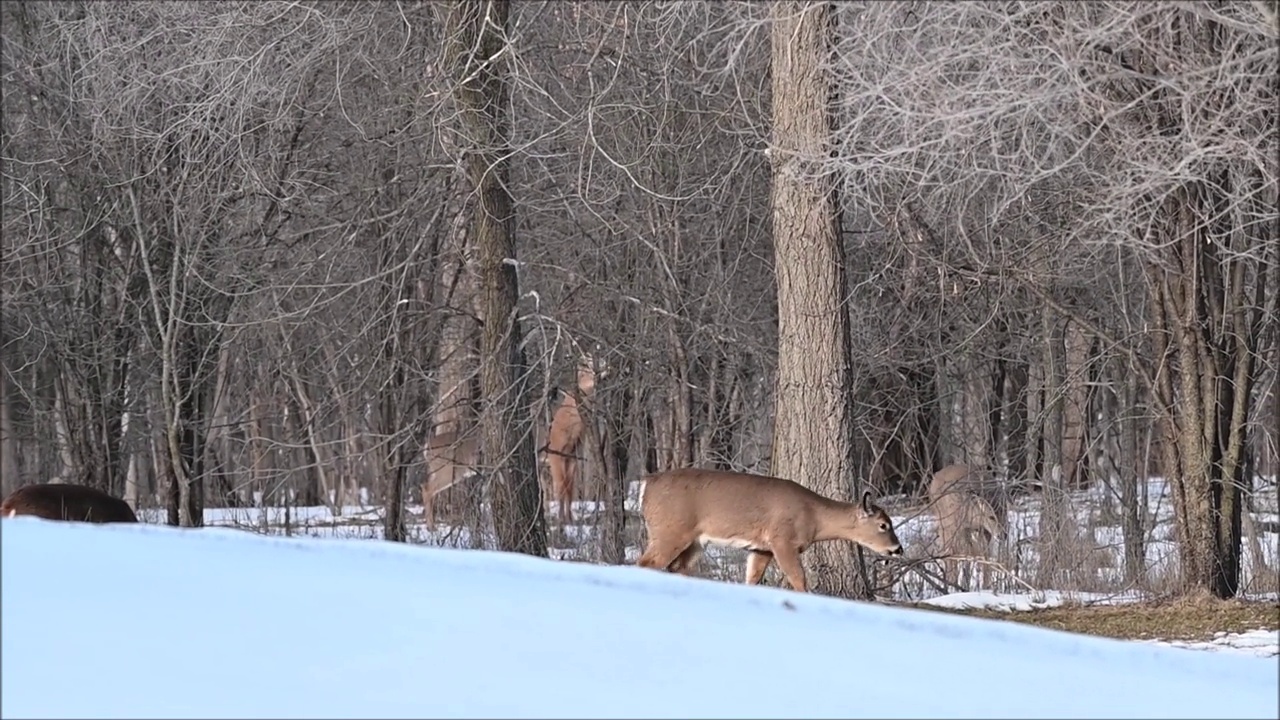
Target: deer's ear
866 502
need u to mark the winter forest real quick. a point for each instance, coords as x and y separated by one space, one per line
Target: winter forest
274 254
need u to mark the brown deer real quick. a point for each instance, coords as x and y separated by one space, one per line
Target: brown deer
563 440
967 522
450 460
773 518
73 503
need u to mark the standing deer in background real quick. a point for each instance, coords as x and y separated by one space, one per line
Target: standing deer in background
773 518
564 438
74 503
966 521
450 460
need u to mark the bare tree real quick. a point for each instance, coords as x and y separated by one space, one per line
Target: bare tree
1046 230
1047 148
477 45
813 434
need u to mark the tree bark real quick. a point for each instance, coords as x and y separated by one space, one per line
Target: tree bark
1075 422
9 470
477 41
1202 302
813 431
1057 528
1130 468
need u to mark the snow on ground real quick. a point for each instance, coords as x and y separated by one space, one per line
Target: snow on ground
145 621
1262 643
1022 602
1103 544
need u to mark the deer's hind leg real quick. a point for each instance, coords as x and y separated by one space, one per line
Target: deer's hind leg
663 554
565 492
757 563
685 561
428 507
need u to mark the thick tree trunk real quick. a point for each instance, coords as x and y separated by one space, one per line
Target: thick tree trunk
258 448
477 37
680 403
393 473
813 433
972 427
456 351
1074 407
613 430
1057 528
9 471
1015 422
189 432
1132 478
1203 306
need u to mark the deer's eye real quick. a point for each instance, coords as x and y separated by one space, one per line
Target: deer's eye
884 527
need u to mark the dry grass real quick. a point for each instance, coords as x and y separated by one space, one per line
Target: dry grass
1191 620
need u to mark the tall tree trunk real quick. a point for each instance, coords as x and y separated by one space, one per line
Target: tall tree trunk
393 471
258 448
477 38
612 421
193 403
9 480
456 351
813 431
680 403
219 450
1057 528
1015 422
971 428
1132 478
1208 298
1075 390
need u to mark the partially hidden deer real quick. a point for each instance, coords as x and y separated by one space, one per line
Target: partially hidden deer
966 521
450 460
72 503
772 518
564 438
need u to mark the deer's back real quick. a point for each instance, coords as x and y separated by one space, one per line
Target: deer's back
956 484
449 449
958 500
74 503
720 502
952 478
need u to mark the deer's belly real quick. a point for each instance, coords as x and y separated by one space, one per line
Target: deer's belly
733 542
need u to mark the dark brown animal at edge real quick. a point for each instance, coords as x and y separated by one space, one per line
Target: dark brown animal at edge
72 503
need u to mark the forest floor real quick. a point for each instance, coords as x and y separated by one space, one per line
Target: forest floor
1250 626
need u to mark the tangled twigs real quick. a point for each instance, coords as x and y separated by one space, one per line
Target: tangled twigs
923 568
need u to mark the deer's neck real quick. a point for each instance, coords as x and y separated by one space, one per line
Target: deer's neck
836 519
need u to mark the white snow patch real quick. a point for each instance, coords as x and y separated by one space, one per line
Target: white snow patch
1262 643
154 622
1023 602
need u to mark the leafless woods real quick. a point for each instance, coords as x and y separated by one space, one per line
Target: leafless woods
255 252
